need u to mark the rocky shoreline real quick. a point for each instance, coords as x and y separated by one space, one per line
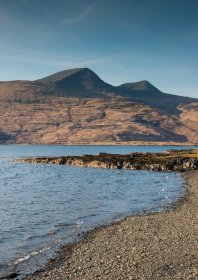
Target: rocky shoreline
156 246
172 160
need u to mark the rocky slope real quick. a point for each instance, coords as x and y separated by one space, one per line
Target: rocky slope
77 107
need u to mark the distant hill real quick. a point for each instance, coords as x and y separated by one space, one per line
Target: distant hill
76 106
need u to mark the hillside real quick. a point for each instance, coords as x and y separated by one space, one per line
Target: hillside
76 106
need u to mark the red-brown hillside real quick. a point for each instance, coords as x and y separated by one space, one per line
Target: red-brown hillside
76 106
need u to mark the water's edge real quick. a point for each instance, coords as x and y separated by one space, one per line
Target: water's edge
48 260
32 182
63 253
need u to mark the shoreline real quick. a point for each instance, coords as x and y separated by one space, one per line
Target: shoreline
170 160
155 246
129 143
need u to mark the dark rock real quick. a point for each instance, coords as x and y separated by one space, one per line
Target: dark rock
175 160
11 275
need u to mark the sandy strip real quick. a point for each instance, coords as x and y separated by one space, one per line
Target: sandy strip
157 246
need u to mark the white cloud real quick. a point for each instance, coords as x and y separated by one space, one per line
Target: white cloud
56 61
78 18
16 4
6 18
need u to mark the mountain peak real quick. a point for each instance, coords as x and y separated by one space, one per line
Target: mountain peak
60 75
143 85
77 79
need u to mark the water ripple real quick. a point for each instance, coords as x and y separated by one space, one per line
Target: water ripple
43 205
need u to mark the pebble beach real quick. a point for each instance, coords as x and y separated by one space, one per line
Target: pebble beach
155 246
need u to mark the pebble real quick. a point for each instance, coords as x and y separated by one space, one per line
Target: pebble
164 247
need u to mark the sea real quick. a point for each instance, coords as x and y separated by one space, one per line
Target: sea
45 206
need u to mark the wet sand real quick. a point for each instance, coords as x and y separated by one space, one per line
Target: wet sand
156 246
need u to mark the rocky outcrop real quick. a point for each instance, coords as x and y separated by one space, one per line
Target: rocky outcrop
178 161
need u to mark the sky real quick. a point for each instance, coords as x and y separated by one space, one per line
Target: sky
120 40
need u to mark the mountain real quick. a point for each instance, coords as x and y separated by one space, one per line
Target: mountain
145 92
80 82
143 86
76 106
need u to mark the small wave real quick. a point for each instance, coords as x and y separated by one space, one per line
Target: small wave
65 225
87 216
79 224
56 228
30 237
157 181
52 231
166 178
34 253
69 225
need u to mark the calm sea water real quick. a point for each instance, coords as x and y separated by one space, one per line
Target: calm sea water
45 206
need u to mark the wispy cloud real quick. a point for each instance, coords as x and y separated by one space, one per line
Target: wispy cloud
76 19
178 70
57 61
5 15
181 71
14 5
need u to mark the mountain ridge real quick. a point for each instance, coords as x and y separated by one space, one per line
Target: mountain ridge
59 75
77 106
140 85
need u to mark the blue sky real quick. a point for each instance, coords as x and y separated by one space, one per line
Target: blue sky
121 40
